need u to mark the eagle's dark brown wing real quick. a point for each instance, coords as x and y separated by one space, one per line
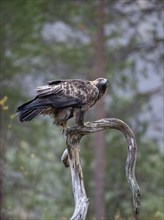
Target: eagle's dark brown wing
75 92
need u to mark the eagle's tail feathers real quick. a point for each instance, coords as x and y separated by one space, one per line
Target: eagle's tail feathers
29 110
29 114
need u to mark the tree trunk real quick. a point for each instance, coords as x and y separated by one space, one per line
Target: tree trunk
100 113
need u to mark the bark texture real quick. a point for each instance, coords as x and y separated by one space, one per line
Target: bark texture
71 157
99 140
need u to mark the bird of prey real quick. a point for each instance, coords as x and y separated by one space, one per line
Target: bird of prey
64 99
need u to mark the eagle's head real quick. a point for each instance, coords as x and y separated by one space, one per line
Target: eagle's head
101 84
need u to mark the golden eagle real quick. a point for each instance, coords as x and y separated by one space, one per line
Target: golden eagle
64 99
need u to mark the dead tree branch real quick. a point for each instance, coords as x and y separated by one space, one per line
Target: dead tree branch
71 157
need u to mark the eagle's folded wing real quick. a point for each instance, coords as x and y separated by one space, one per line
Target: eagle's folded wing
56 96
48 90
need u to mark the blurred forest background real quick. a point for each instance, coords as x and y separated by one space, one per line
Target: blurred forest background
121 40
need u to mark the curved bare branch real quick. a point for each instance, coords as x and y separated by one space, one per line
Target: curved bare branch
71 158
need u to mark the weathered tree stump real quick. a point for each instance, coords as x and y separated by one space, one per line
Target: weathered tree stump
71 158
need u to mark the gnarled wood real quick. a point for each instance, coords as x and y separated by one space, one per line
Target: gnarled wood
71 157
